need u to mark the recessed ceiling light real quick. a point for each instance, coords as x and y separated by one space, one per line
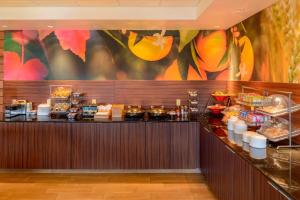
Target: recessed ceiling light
50 26
4 26
217 26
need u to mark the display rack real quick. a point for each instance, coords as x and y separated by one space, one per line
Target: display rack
212 100
288 111
59 100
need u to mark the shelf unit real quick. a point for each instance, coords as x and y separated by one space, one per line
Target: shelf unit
212 100
288 111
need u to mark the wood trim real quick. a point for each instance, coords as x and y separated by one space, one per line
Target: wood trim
1 71
127 92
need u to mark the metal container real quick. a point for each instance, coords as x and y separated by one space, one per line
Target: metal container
135 112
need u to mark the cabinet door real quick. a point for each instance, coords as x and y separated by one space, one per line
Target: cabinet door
243 179
47 145
133 146
158 145
11 145
227 170
217 165
184 145
172 145
108 145
204 152
96 146
263 189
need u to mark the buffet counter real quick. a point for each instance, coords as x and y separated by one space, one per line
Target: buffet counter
277 176
23 118
46 143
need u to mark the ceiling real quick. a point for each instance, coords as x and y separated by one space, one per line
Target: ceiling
126 14
92 3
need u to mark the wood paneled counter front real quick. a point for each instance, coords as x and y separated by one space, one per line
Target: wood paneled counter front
94 145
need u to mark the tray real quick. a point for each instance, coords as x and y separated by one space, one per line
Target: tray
280 113
279 138
261 104
252 124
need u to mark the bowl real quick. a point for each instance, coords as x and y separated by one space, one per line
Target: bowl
216 109
220 97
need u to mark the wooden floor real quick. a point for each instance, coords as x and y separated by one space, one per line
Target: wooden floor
29 186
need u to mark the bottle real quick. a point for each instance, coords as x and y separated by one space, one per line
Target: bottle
178 109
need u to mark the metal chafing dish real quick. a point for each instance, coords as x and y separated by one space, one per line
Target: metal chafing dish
135 112
157 112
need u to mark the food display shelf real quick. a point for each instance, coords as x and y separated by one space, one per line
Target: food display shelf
252 124
60 98
261 104
279 113
282 137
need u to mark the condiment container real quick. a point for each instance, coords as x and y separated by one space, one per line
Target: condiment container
246 139
230 123
258 141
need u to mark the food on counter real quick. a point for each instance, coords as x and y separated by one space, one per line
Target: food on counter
252 117
76 98
275 128
157 112
219 92
61 92
103 111
253 98
216 109
172 114
134 112
273 109
43 110
193 93
88 111
279 104
72 116
231 111
117 110
220 95
274 132
61 107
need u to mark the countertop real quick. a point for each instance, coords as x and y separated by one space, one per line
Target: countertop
24 118
282 167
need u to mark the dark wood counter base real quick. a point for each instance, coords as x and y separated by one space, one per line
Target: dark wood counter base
115 145
231 177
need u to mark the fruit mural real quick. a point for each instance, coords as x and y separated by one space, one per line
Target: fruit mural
264 47
119 55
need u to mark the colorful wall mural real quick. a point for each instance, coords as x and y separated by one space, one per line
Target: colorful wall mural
115 55
265 47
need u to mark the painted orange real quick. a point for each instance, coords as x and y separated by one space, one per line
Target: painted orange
193 75
247 59
211 49
223 76
171 73
150 48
